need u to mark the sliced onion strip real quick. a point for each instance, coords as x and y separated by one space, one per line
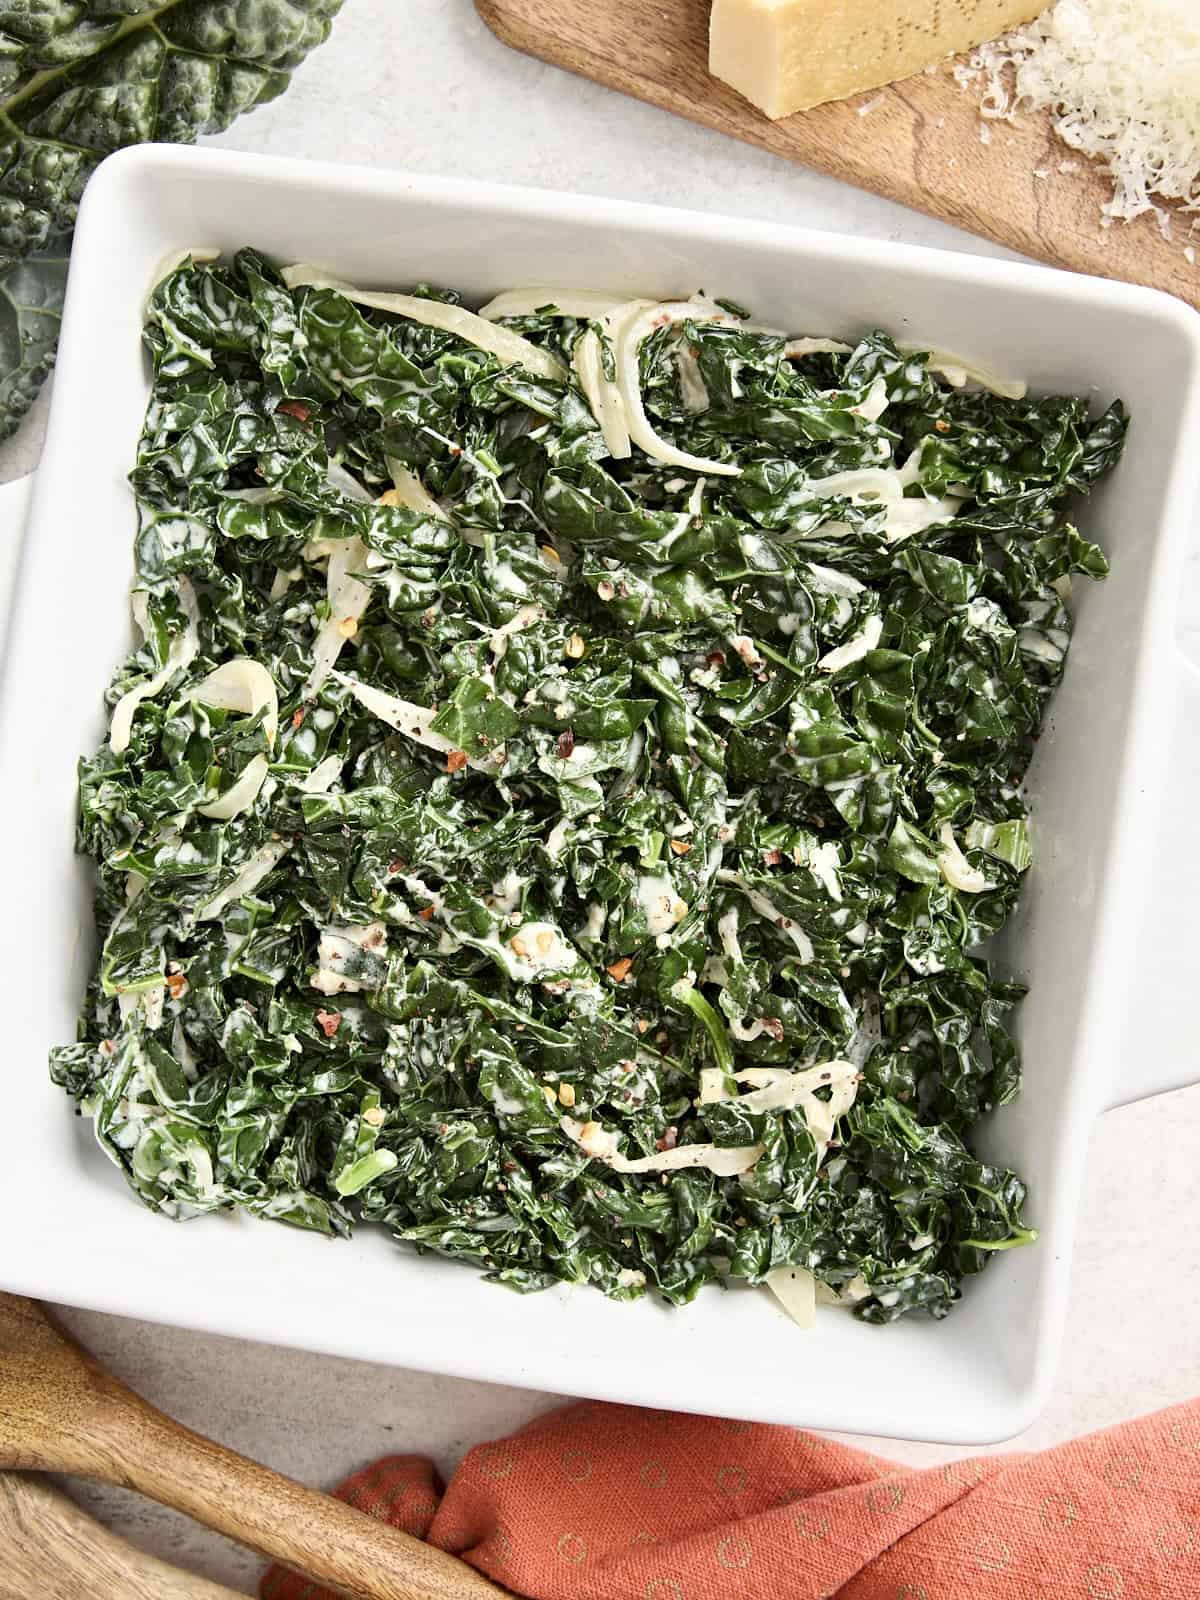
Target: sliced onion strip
240 796
601 392
412 720
582 303
183 650
958 372
348 598
465 325
633 334
721 1160
244 685
410 492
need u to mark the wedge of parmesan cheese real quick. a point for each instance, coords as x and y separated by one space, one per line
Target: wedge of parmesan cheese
787 55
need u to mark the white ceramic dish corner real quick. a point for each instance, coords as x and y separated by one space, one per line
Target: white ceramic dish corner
1103 931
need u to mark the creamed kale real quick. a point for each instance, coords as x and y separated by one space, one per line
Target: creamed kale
572 763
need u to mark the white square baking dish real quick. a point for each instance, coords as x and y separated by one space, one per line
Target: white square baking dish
1103 932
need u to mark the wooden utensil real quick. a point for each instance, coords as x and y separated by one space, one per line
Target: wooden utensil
60 1411
51 1550
917 141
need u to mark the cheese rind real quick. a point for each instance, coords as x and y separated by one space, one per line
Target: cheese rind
788 55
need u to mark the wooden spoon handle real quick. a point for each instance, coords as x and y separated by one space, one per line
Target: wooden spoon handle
136 1445
51 1550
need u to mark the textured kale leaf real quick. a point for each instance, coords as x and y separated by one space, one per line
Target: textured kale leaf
82 78
31 301
499 823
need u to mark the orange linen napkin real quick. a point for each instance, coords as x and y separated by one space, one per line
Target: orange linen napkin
600 1502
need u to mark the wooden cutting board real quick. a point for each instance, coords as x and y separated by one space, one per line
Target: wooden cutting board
917 141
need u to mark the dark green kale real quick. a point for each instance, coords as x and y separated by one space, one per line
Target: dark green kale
576 862
82 78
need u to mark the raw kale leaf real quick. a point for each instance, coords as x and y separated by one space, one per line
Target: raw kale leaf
31 301
82 78
599 816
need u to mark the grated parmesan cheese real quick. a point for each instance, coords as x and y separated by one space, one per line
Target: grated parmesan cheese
1121 80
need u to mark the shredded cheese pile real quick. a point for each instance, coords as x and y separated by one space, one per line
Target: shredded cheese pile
1121 79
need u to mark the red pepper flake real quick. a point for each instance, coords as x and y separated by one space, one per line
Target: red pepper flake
426 915
715 658
773 1026
668 1140
329 1022
680 847
566 743
772 858
177 984
620 969
942 425
294 408
456 760
298 716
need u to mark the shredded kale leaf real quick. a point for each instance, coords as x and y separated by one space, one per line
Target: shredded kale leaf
589 813
82 78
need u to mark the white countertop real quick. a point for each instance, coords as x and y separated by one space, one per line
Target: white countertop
423 85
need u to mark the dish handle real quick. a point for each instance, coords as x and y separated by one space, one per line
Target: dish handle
14 506
1160 1038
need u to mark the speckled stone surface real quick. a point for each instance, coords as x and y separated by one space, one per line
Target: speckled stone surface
422 84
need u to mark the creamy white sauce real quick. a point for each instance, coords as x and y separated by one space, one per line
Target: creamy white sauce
656 896
525 618
339 944
506 580
556 839
823 861
506 895
508 1105
541 947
